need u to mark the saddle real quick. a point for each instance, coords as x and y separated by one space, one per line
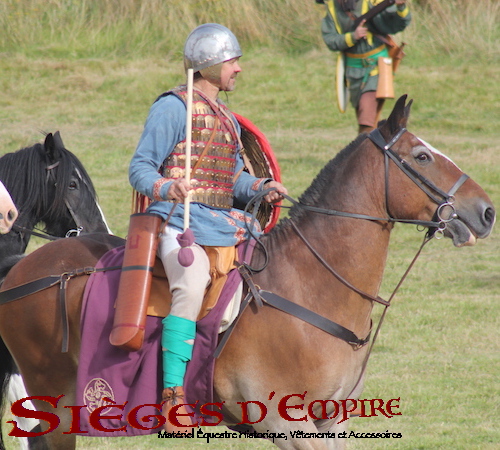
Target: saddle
144 289
222 261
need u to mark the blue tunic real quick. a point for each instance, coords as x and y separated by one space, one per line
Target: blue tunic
165 127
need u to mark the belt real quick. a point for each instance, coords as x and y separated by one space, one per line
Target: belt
361 60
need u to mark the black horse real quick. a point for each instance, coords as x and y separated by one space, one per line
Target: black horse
49 186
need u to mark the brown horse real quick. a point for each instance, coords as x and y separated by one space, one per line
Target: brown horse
341 226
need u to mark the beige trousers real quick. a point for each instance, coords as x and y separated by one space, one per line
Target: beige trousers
187 284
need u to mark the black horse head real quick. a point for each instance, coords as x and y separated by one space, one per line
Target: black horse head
49 185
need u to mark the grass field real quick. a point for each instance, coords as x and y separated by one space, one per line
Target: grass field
439 347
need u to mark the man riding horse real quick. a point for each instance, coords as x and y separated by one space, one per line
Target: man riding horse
157 170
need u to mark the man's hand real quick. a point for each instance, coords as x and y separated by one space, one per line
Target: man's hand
178 190
361 31
275 195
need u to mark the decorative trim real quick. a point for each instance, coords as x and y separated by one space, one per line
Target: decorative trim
157 188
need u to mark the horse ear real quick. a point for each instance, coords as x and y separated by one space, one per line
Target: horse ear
53 146
398 117
58 142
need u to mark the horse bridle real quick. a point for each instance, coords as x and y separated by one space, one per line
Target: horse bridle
69 233
427 186
73 232
437 195
437 224
79 226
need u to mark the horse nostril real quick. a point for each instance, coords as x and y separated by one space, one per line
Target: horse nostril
12 215
489 216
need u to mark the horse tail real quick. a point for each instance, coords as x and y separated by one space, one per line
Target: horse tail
7 367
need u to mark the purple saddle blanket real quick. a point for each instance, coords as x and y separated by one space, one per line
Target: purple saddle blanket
133 380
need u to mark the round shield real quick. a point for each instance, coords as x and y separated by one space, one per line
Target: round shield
341 83
264 165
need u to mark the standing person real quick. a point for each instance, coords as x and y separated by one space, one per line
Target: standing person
362 47
157 170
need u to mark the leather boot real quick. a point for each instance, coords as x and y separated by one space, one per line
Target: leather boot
171 397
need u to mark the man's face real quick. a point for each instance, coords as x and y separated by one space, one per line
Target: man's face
228 73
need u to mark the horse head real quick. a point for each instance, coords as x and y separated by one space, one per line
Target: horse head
49 185
8 211
423 184
74 195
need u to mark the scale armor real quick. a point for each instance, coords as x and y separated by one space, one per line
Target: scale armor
215 173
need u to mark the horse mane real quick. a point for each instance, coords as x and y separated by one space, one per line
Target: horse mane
312 195
21 172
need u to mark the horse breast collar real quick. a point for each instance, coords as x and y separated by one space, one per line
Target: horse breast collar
262 297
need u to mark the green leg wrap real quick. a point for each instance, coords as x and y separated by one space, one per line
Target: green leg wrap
176 351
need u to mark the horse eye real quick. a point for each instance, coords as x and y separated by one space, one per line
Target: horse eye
423 157
73 185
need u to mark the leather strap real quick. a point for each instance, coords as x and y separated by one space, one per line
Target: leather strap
335 273
249 297
253 294
21 230
40 284
64 314
247 276
423 183
463 178
29 288
271 299
313 319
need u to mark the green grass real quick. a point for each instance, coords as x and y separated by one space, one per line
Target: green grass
91 71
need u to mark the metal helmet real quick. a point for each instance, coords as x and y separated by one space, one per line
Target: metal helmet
208 45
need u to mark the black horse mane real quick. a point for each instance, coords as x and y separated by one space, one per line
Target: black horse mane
25 173
312 195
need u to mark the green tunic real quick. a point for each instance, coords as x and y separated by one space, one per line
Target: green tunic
338 34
